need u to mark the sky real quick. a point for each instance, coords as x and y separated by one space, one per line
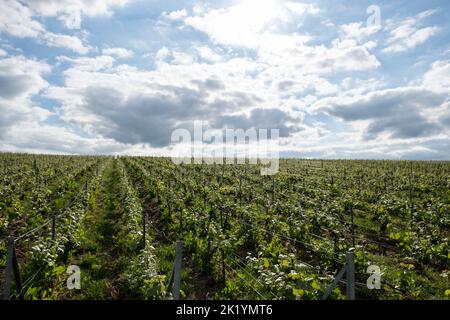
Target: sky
339 79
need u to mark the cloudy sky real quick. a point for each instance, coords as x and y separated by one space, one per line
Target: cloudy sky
119 76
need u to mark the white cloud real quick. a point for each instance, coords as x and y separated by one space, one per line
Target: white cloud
118 52
22 77
251 19
89 64
358 31
262 69
410 39
175 15
356 86
302 8
438 77
20 80
182 58
162 54
303 59
17 20
210 82
250 23
208 54
412 112
407 34
64 41
70 12
198 54
257 25
44 138
136 106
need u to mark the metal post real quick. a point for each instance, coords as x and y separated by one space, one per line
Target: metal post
53 226
11 267
350 274
240 190
221 219
223 267
35 167
350 209
333 285
411 219
8 269
144 228
17 274
273 189
177 271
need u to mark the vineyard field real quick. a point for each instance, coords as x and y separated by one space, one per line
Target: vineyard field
243 235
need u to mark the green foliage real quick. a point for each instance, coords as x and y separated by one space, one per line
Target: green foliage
281 237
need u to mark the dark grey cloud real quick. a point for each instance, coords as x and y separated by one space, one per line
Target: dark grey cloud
285 85
236 100
142 118
403 126
151 118
210 84
398 112
261 119
445 119
12 86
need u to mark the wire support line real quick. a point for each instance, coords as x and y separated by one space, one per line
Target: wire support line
64 212
243 267
26 285
288 238
245 282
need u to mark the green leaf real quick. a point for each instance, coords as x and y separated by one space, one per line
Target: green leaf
266 263
315 285
298 292
447 292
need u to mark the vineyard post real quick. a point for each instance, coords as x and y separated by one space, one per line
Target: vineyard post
411 204
273 189
53 225
144 227
223 267
221 249
169 206
11 265
223 168
350 274
177 270
36 170
221 218
349 270
359 182
350 210
181 218
240 191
